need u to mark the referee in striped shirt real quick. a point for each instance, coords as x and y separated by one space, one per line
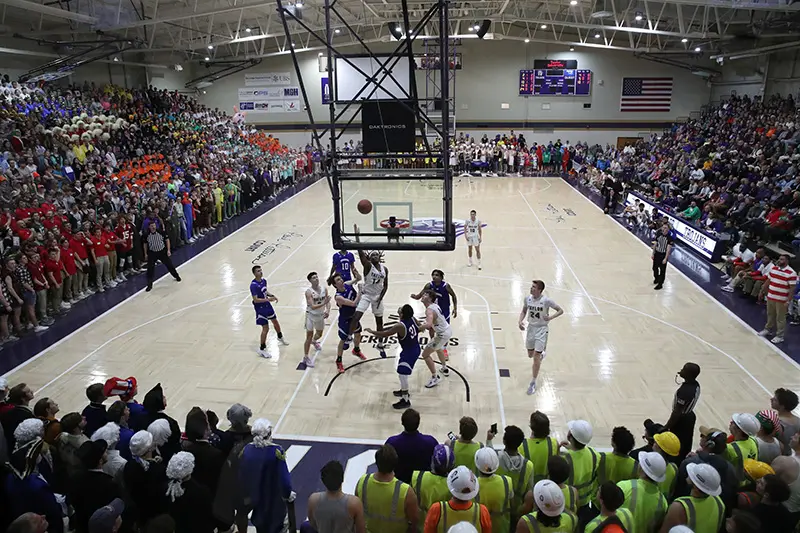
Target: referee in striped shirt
156 248
661 250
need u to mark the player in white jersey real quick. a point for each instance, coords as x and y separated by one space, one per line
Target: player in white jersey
537 309
318 307
473 233
440 332
376 283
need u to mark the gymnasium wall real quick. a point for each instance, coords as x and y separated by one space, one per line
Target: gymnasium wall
489 80
777 73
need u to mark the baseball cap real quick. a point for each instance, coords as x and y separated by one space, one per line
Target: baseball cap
669 442
747 423
652 428
707 431
442 459
653 465
705 478
104 519
548 497
581 430
462 483
486 460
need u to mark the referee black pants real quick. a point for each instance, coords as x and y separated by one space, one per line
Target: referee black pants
659 268
162 256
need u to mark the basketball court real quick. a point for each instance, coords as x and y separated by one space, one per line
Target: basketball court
611 359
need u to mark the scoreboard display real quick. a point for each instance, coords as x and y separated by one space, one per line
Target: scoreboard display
555 77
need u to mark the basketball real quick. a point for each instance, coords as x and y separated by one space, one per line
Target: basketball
365 207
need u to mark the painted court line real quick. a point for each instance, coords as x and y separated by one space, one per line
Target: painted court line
577 279
123 302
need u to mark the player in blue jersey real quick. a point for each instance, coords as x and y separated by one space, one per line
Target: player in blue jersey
344 264
407 331
347 299
444 293
262 302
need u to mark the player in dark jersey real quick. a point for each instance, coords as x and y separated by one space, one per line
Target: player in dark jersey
262 302
407 331
444 293
347 299
344 264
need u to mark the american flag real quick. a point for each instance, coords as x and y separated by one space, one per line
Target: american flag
646 94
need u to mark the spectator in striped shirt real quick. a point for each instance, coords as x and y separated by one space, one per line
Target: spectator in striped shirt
781 279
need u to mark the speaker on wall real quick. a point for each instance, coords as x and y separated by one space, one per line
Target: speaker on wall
484 28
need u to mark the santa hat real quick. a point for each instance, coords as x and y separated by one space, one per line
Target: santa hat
119 387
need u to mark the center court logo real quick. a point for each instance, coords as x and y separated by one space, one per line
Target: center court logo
425 225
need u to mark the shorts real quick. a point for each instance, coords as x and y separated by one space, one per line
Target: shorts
264 313
29 297
344 329
439 341
473 241
315 322
536 338
370 301
407 361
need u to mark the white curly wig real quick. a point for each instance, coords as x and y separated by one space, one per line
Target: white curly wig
108 433
179 469
160 431
28 430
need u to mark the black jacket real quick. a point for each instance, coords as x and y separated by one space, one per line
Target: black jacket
11 419
192 511
208 463
88 492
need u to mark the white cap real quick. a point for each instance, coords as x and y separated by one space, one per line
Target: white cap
705 478
486 460
747 423
462 483
548 497
581 430
680 529
462 527
653 465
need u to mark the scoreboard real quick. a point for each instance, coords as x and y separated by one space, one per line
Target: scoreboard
555 77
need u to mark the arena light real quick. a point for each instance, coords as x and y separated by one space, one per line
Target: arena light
638 16
527 40
543 26
684 40
337 30
396 30
571 48
697 49
208 58
116 59
210 46
248 30
573 2
596 35
298 5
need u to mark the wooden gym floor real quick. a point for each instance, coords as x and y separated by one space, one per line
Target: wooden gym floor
611 359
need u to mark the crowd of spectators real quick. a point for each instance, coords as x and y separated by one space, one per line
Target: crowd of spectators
123 466
84 170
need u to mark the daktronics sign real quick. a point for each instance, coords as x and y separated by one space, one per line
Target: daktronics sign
555 64
387 126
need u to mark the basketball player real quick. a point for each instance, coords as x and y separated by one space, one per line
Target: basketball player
376 282
537 308
474 235
318 307
440 334
443 294
345 264
262 301
347 299
407 331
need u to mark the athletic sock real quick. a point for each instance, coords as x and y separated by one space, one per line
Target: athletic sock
263 346
338 358
280 335
357 349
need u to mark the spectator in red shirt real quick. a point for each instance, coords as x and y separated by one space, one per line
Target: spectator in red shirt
111 247
124 232
53 268
99 252
23 278
68 258
81 283
36 268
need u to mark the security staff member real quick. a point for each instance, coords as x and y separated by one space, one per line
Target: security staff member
390 506
682 419
661 250
156 248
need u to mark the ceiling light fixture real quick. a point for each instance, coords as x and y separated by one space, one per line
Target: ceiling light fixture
210 46
596 35
544 26
638 16
571 48
116 59
684 40
337 30
573 2
527 40
248 30
208 58
298 5
697 49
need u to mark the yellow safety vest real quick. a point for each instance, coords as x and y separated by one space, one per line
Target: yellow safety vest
703 515
538 451
569 524
384 504
624 516
450 517
465 454
645 502
736 452
667 487
430 489
583 472
614 468
570 498
496 494
522 481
